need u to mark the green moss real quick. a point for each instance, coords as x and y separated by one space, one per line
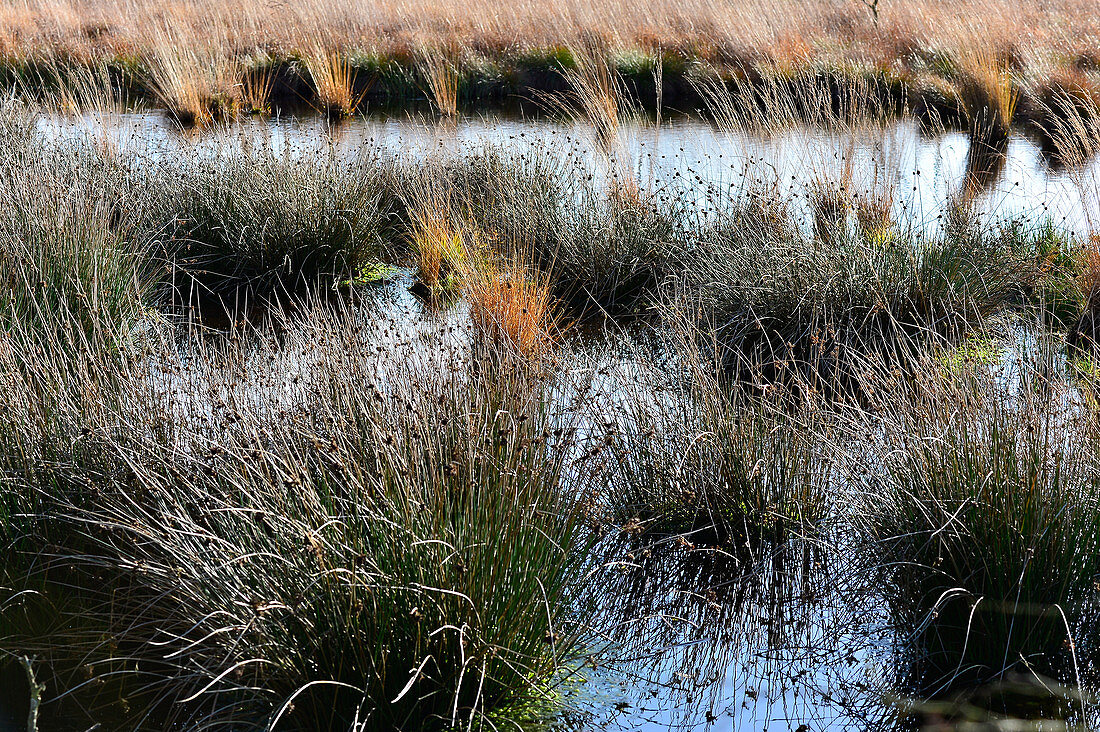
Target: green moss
536 709
370 274
976 349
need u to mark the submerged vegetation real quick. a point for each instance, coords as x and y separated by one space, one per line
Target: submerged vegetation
327 434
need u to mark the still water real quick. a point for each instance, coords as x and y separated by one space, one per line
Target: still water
925 174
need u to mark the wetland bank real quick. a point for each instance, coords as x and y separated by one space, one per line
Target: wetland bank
776 415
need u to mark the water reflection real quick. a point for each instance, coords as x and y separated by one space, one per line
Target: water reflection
1002 176
698 637
804 638
986 159
963 657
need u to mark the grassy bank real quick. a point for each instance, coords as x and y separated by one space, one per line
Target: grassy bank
205 64
780 31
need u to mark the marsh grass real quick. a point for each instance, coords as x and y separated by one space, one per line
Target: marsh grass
73 266
77 90
768 270
596 92
335 519
1068 124
333 79
771 101
818 48
441 74
979 496
511 303
617 252
989 92
831 205
1060 265
777 34
990 97
258 221
778 292
603 246
1072 133
874 211
512 306
256 85
355 542
63 405
197 85
75 241
690 451
440 249
1084 287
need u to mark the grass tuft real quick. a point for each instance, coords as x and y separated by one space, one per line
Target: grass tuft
512 306
333 82
984 507
256 220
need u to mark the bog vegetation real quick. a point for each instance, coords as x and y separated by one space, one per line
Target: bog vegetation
344 437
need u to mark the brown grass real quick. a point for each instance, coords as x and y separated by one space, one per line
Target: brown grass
511 305
1088 266
83 90
989 91
333 80
195 82
255 90
719 29
596 91
1084 335
442 78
